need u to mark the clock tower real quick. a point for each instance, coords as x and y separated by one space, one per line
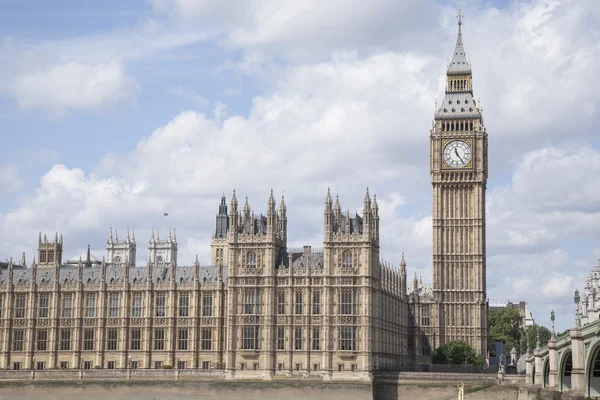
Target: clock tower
458 159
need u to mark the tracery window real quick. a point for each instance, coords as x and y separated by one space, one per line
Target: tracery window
299 303
113 305
251 259
347 338
347 259
425 315
137 305
43 306
20 306
281 303
67 305
90 306
184 305
160 304
207 305
250 337
117 261
348 302
159 261
250 303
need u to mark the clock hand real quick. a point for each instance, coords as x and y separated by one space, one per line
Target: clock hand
456 152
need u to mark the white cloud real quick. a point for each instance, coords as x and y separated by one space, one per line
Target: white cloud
10 179
74 85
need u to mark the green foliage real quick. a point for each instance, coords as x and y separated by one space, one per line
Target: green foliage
165 366
505 324
457 352
531 336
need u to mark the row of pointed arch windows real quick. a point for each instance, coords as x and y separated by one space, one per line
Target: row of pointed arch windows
459 84
457 125
347 259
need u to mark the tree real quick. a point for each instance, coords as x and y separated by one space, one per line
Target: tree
531 337
457 352
505 324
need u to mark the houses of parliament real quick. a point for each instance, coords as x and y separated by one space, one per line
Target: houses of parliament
262 309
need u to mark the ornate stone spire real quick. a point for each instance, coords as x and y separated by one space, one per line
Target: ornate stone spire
459 64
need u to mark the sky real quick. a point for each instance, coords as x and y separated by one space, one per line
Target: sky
113 113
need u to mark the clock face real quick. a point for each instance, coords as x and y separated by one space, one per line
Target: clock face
457 154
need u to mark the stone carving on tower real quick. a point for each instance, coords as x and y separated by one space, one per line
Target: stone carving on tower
459 175
49 253
121 252
163 252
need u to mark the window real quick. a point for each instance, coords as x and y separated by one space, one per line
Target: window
299 303
67 305
50 256
90 306
250 302
111 339
280 338
0 307
42 340
113 305
250 338
316 343
316 307
159 261
411 344
182 339
184 305
280 366
157 364
64 364
298 338
16 366
205 364
39 365
181 365
425 315
159 339
111 364
136 339
347 302
160 305
18 339
88 339
20 306
347 259
315 367
43 306
134 365
206 339
340 367
207 301
251 260
42 256
298 366
255 366
87 365
347 338
353 367
425 348
281 303
65 339
242 366
137 305
117 261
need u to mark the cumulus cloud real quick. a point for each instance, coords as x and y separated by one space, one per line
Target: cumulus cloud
350 110
74 85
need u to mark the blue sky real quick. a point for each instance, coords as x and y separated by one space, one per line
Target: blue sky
113 112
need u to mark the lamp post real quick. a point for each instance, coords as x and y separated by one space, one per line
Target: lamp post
129 369
552 319
33 368
577 316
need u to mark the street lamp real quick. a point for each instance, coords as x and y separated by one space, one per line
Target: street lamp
33 363
577 317
552 319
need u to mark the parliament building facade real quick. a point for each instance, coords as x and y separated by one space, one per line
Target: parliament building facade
261 308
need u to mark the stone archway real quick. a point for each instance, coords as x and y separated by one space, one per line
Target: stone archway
565 370
546 372
592 370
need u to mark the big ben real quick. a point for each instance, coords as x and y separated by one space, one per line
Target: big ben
458 159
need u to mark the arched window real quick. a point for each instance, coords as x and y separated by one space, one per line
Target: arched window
347 259
251 260
117 261
159 261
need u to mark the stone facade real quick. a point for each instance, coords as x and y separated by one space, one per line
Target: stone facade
459 169
261 308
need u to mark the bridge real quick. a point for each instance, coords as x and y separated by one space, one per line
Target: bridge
568 364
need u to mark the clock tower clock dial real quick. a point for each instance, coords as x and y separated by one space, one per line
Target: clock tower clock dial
457 154
458 146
